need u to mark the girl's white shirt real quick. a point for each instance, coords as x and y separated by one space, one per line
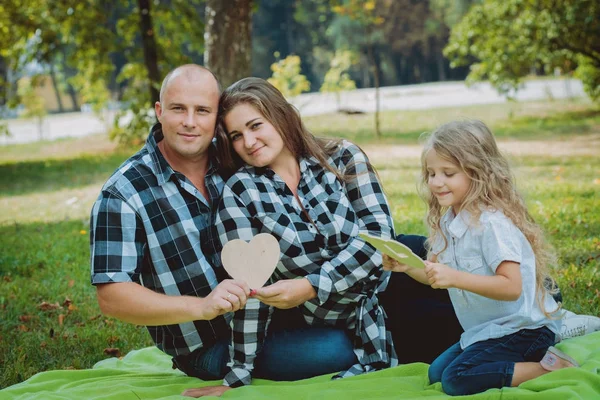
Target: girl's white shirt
479 247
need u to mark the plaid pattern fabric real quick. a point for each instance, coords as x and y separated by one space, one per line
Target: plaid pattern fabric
150 225
345 272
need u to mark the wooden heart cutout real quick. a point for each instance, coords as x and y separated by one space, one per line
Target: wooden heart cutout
252 262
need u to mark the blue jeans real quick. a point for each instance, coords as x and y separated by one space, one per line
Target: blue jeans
490 363
293 350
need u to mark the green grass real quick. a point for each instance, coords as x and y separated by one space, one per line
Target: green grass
47 190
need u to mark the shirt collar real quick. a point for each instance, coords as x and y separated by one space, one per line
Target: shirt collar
457 225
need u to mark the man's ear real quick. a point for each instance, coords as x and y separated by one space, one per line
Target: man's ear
158 109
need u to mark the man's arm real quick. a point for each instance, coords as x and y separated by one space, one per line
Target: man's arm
133 303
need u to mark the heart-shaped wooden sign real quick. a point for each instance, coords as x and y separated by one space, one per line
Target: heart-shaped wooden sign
252 262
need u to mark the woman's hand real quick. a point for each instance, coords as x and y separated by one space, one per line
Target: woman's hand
389 264
206 391
440 276
286 293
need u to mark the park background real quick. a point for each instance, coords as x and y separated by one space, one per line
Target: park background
104 60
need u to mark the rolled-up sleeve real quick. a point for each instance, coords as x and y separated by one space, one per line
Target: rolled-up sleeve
117 241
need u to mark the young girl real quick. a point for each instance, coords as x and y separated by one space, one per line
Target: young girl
314 196
490 255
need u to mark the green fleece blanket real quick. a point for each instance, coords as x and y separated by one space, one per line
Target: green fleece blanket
147 374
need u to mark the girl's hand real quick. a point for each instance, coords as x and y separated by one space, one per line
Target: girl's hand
286 293
389 264
440 276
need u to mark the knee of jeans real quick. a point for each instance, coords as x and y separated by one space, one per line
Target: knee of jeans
452 383
434 374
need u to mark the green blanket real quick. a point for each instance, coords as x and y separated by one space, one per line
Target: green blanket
147 374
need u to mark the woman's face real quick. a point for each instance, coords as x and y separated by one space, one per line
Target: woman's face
254 138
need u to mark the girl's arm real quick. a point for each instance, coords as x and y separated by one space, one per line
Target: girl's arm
505 285
250 323
359 261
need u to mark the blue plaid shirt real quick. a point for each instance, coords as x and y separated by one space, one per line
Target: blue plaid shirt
150 225
324 247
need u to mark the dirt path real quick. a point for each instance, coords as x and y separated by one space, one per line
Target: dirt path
587 145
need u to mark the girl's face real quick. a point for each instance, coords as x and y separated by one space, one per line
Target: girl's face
446 180
254 138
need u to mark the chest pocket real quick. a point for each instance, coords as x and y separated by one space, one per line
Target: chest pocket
280 226
471 264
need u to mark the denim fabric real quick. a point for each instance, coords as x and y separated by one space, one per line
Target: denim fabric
292 350
489 363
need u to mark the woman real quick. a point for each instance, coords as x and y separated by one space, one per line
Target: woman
314 196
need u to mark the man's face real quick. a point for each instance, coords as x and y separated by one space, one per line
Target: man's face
188 114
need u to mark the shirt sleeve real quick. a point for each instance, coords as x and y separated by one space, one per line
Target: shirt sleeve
117 241
500 242
359 262
249 324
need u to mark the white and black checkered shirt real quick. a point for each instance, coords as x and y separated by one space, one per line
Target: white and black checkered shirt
151 225
345 272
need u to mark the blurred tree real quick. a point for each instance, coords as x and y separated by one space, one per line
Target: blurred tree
228 48
367 16
337 79
287 77
509 39
34 106
89 35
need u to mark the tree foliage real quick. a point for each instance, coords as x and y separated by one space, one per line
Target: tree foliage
102 42
287 77
511 38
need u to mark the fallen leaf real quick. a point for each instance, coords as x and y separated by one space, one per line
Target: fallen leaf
43 345
25 318
72 307
61 319
71 283
67 302
112 351
45 306
23 328
7 278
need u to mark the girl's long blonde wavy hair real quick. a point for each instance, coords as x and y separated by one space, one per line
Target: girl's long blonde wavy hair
470 145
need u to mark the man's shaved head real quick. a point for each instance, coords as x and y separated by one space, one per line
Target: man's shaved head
190 72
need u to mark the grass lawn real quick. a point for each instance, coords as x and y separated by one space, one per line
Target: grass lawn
50 318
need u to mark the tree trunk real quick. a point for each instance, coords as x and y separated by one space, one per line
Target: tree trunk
150 50
61 108
375 67
439 60
227 39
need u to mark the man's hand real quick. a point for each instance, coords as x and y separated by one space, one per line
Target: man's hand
286 293
440 276
206 391
389 264
229 295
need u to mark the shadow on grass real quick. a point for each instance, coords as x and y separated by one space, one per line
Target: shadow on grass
49 262
18 178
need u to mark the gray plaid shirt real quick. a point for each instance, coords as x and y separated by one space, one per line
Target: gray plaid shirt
151 225
345 272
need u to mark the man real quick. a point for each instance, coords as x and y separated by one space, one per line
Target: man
153 260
